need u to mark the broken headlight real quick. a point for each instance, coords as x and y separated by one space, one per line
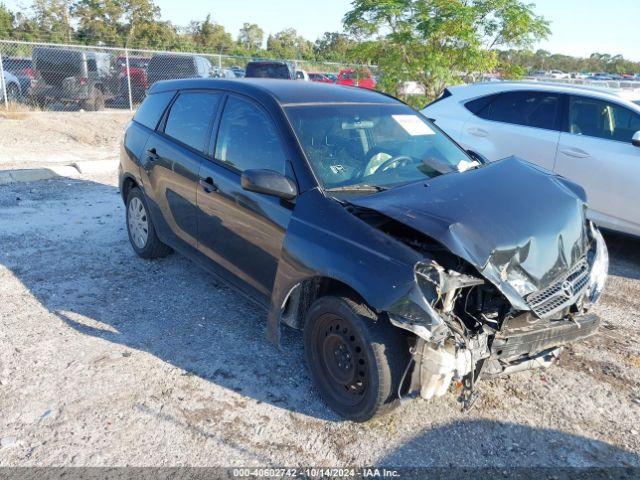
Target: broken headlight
599 266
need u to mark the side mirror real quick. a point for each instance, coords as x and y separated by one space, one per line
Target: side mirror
476 156
269 183
636 139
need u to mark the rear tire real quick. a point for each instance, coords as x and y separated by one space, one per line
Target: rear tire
355 358
94 103
142 233
13 92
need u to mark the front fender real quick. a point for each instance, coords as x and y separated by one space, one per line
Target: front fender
324 240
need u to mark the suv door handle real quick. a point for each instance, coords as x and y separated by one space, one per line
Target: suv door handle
153 154
575 153
478 132
208 185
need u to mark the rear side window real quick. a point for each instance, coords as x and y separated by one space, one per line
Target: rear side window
190 117
479 104
151 110
268 70
530 109
247 138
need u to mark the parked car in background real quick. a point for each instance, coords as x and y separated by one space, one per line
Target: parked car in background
139 78
177 66
558 75
302 75
239 72
332 76
269 69
12 85
588 135
602 76
84 78
319 77
223 73
22 68
345 213
356 78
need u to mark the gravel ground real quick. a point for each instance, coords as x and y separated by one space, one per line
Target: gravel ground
36 139
110 360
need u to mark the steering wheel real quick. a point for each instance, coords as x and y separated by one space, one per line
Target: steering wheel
397 159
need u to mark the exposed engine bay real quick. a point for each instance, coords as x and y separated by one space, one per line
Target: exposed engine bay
471 327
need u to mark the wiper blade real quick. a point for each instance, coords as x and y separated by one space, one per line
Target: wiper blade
361 187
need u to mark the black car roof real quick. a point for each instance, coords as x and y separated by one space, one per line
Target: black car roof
285 92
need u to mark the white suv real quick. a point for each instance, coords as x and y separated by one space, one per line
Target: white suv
589 135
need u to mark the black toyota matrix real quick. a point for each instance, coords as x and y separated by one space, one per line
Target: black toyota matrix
410 265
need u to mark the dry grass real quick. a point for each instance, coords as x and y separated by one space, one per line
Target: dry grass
16 111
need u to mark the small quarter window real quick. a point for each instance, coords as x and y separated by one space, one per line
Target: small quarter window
152 108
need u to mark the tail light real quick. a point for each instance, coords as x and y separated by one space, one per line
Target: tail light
29 72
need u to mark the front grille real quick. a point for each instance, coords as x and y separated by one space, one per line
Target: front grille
560 294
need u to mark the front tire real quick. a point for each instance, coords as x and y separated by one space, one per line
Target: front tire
356 358
142 233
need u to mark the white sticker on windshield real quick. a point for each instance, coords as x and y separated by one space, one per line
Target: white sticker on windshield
413 125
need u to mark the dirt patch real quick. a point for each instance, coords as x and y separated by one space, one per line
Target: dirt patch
43 138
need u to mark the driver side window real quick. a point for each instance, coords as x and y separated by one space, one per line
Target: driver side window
599 119
247 138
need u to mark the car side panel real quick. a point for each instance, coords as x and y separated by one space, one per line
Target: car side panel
170 181
498 140
609 171
131 149
239 230
324 240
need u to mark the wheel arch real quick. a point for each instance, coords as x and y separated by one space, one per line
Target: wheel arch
301 296
128 183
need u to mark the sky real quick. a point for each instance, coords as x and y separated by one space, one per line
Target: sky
579 27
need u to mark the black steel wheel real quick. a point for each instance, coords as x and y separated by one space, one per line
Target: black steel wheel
355 358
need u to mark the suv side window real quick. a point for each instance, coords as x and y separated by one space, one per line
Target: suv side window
190 117
600 119
478 105
530 109
247 138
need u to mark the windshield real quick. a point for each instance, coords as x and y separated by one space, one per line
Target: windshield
377 146
267 70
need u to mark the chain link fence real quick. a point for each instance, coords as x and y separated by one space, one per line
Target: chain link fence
44 76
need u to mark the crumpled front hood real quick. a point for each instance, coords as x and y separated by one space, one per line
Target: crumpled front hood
519 225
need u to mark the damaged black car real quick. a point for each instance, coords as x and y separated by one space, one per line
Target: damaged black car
410 265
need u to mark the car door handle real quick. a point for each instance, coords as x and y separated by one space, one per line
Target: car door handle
575 153
208 185
478 132
153 154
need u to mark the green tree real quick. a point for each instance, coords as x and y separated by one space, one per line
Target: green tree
439 42
7 19
209 35
101 21
122 22
251 37
51 20
334 46
287 44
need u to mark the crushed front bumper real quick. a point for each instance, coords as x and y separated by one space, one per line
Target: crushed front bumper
527 343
